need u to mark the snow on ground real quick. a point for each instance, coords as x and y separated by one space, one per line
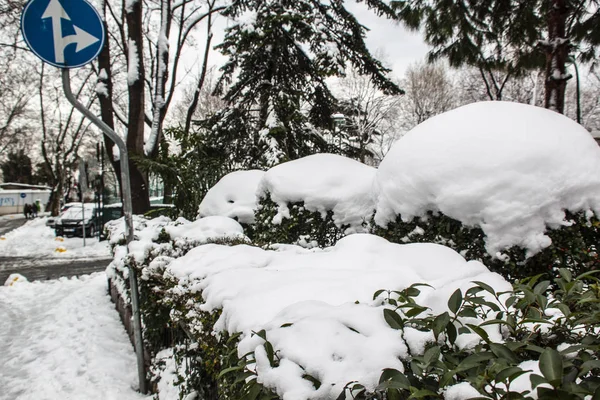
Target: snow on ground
338 333
35 239
234 196
64 340
510 168
323 182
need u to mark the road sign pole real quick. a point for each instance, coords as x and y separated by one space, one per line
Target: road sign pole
126 189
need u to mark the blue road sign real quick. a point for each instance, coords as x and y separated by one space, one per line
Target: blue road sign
63 33
23 195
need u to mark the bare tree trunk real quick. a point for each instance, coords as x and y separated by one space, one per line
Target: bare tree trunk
105 95
135 124
557 52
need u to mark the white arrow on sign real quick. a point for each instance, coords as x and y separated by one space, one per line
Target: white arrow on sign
82 38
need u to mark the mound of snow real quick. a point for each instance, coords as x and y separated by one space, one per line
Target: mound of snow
234 196
338 333
323 182
510 168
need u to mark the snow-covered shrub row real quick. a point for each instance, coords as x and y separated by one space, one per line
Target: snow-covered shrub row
298 324
306 320
156 242
512 185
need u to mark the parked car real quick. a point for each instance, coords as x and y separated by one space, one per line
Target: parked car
71 223
52 220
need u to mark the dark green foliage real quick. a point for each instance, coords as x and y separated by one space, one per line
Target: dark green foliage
190 174
279 104
508 37
303 225
17 168
573 247
571 372
491 35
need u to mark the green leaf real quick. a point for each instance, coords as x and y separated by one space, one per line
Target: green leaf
551 366
316 383
537 380
485 287
509 373
455 301
253 392
439 324
270 353
541 287
393 319
378 292
414 311
230 369
468 312
596 395
501 351
451 333
566 274
588 366
432 354
586 274
390 374
474 360
479 331
422 393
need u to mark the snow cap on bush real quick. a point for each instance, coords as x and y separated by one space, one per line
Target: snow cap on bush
234 196
324 182
511 169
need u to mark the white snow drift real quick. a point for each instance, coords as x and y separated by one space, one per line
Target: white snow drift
510 168
234 196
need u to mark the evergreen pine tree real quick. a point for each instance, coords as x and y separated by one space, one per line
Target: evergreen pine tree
280 54
17 168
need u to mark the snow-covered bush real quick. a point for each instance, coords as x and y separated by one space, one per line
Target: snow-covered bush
302 323
548 348
314 201
365 319
156 242
513 185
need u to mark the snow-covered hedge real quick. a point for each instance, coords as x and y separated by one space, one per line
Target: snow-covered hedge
314 201
156 242
364 319
521 193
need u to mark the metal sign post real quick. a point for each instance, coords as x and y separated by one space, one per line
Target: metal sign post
82 186
77 38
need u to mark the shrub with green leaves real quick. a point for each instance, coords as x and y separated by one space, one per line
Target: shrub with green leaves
550 347
302 227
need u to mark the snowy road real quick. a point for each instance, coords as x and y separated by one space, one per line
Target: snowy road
63 340
44 269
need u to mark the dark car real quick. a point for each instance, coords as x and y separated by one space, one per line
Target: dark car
71 223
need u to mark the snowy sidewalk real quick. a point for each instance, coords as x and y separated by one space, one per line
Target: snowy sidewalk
64 340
